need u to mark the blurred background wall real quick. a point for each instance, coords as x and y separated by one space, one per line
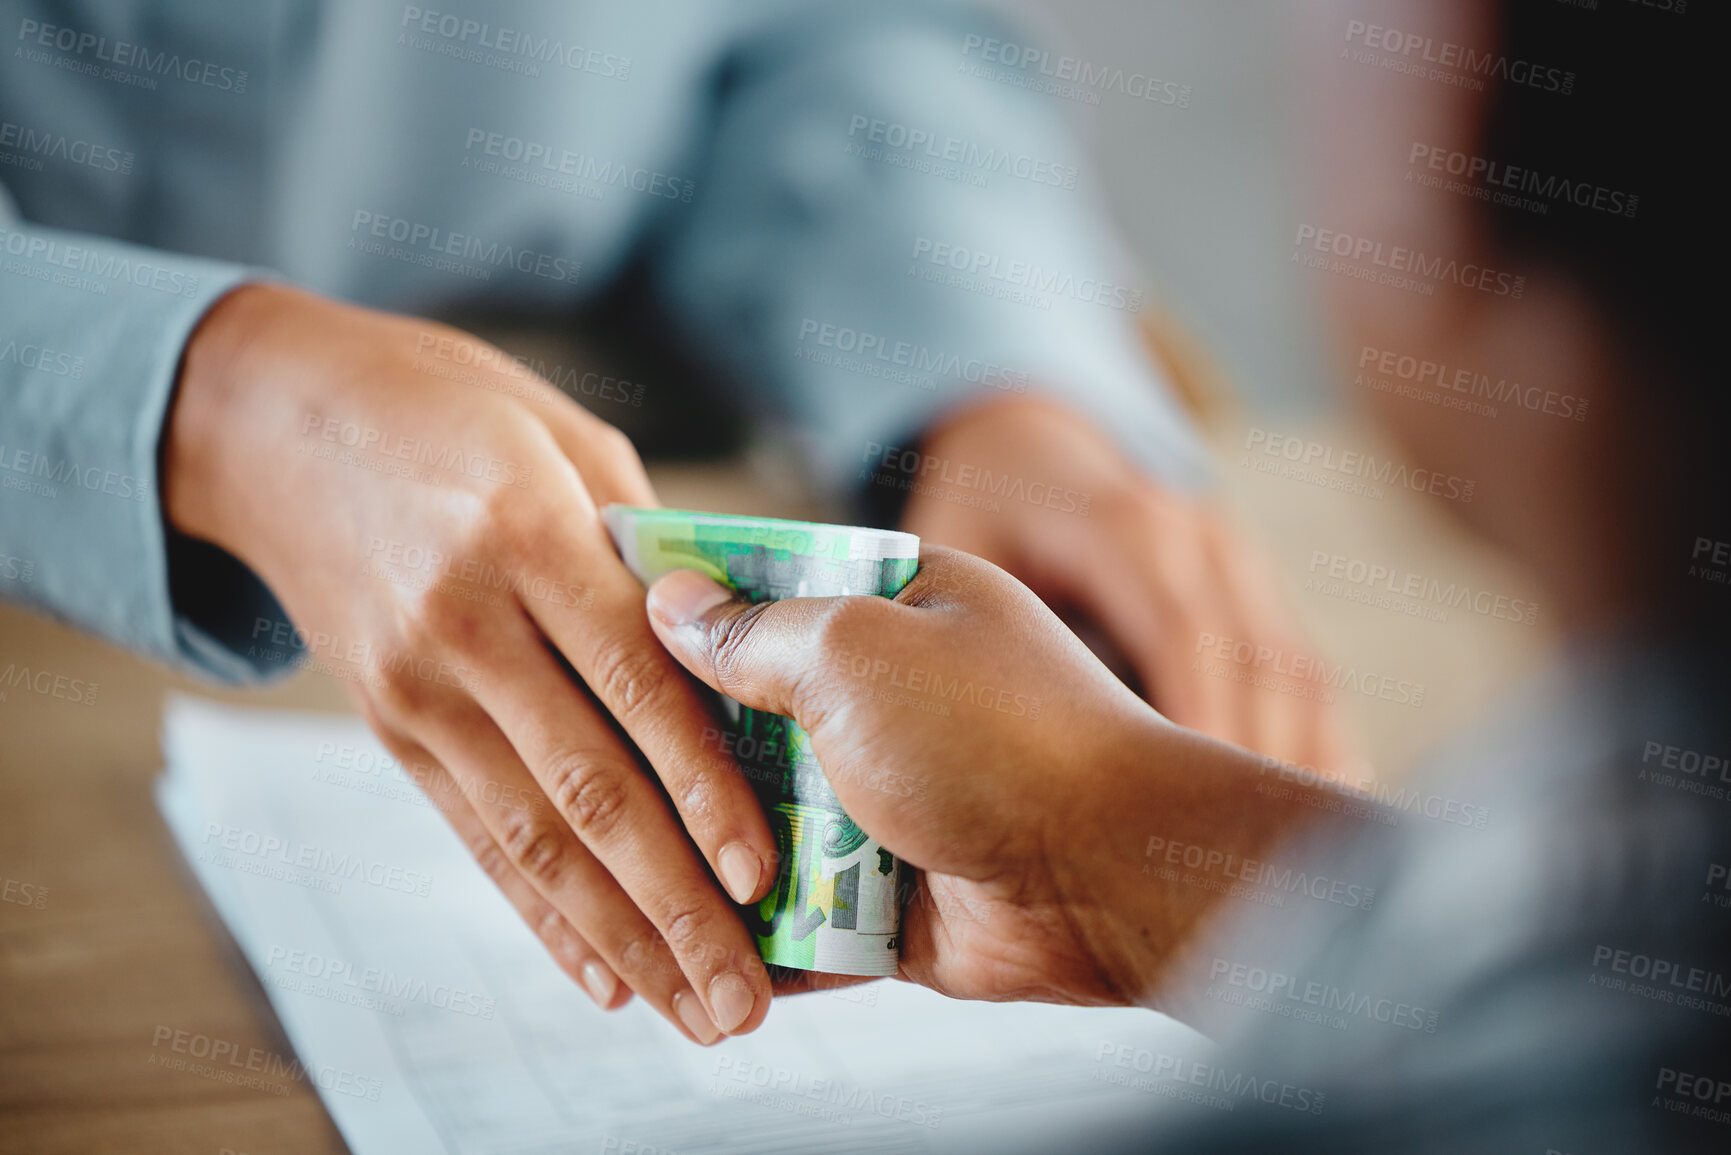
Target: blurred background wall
1206 196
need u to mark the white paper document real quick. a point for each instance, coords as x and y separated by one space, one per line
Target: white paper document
431 1020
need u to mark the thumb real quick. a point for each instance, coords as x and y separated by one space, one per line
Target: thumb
759 655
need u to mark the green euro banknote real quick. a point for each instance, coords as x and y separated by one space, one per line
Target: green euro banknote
836 904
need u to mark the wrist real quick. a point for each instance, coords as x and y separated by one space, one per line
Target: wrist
1174 817
218 433
1094 851
197 428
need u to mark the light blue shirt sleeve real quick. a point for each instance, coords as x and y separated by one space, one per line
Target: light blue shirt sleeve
91 333
879 237
885 236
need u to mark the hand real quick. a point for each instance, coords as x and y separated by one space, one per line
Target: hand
1154 569
426 510
973 735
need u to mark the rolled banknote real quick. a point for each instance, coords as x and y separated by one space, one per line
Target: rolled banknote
836 904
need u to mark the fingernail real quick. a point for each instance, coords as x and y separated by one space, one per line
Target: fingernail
683 596
691 1013
740 870
731 999
599 983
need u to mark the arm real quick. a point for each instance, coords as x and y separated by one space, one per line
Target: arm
1076 848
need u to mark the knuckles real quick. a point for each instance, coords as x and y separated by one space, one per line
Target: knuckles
431 619
790 670
550 927
536 849
616 449
683 931
488 856
848 623
630 677
698 794
398 695
1126 505
589 791
646 961
1135 505
732 650
510 523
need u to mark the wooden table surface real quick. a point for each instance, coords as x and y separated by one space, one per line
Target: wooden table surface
108 946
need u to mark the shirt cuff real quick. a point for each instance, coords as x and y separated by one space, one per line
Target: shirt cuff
95 329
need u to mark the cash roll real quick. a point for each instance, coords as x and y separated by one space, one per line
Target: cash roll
836 904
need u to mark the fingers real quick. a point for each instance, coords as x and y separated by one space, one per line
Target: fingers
758 655
629 672
1146 579
1170 574
772 656
609 643
647 948
1306 731
569 949
605 458
608 813
616 829
1271 722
